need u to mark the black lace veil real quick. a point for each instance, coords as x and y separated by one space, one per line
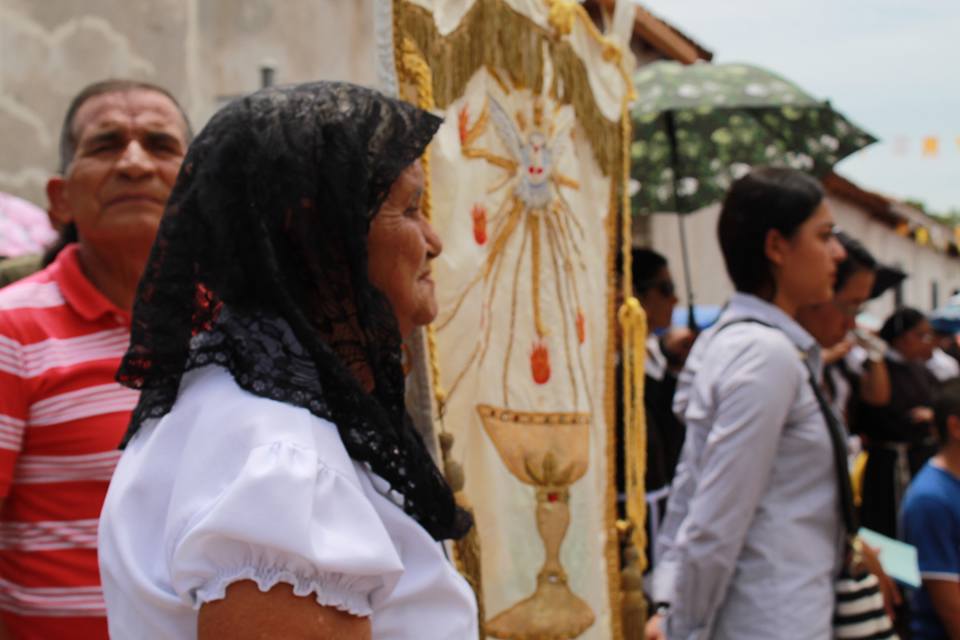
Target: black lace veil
260 266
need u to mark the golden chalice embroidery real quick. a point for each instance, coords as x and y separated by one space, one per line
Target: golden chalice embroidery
549 452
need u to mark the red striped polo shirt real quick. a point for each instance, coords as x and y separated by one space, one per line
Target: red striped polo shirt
62 415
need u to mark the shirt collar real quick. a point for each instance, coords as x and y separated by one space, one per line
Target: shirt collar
80 294
656 364
745 305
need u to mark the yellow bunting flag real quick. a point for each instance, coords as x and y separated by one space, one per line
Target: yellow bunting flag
922 236
931 146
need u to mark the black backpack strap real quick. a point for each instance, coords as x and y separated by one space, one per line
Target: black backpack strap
838 436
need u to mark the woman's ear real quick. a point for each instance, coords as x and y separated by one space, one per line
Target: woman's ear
774 246
953 428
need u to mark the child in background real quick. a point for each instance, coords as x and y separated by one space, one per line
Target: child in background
931 523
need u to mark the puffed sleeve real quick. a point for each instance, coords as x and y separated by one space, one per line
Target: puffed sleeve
280 515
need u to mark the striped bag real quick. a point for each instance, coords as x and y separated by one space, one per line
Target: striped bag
859 613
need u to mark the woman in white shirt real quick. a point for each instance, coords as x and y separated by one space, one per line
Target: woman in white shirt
272 485
752 538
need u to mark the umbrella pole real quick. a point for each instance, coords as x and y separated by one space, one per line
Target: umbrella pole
687 279
684 252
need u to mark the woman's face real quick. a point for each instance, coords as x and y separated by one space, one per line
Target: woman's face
917 343
805 265
400 245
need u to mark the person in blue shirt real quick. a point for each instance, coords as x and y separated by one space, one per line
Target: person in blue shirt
931 522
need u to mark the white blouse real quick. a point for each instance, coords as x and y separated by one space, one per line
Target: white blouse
230 486
752 539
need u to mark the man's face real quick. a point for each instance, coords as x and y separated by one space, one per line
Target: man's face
659 299
830 322
129 148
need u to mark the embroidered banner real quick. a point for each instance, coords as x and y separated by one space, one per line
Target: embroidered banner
525 183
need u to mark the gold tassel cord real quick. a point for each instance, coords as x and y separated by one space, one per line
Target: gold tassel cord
562 14
633 322
611 52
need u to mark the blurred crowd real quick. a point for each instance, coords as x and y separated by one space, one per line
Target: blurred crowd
738 494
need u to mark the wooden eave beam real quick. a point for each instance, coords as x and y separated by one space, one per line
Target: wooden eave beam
659 35
877 205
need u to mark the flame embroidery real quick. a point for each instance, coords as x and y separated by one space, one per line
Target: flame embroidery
534 224
540 363
581 327
479 214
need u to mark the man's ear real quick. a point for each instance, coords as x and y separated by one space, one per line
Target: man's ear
774 246
58 209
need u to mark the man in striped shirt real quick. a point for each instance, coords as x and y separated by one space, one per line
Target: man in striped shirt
62 333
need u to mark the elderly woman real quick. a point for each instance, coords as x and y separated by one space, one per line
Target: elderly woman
272 484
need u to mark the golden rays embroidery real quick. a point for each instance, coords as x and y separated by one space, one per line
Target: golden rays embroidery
534 214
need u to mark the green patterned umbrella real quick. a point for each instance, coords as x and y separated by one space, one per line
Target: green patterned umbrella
696 128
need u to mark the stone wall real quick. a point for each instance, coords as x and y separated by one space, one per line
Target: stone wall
203 51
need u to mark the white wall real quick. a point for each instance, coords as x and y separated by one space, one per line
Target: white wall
924 265
710 282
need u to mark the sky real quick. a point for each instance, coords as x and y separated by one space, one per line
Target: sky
891 66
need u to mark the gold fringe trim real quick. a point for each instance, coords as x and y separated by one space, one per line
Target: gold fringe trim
610 412
494 35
